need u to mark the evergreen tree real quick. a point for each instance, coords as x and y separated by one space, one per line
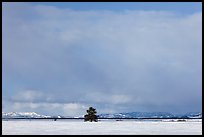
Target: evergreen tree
91 115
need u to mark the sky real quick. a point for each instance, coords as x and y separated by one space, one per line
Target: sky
61 58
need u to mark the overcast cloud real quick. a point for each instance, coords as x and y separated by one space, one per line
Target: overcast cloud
61 61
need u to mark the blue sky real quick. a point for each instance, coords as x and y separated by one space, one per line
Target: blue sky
183 7
61 58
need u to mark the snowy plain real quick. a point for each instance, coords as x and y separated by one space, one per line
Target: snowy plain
106 127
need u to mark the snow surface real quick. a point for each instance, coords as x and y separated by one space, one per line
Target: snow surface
107 127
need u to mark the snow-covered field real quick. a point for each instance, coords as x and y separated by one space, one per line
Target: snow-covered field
101 127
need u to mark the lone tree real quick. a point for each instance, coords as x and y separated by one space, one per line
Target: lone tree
91 115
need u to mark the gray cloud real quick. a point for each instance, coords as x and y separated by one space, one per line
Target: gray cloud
117 61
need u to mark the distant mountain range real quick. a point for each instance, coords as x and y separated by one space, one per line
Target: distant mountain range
23 115
115 115
150 115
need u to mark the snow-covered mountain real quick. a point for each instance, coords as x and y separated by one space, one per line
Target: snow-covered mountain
150 115
138 115
23 115
115 115
194 115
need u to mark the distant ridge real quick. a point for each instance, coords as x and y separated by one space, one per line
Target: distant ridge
23 115
115 115
151 115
